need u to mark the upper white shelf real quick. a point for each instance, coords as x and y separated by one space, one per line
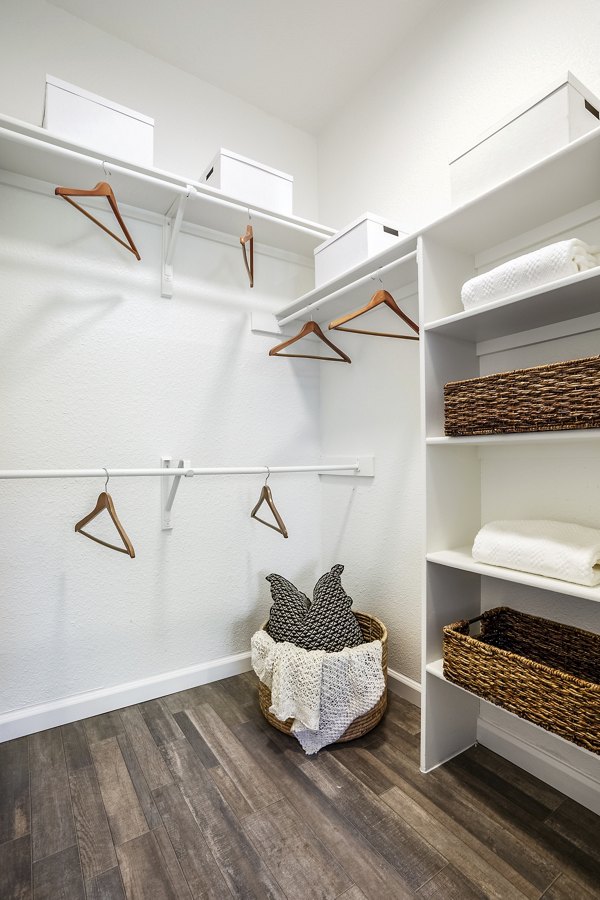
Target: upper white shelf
581 435
397 265
569 298
558 184
461 558
36 153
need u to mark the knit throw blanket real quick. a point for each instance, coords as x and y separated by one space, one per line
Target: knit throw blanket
323 692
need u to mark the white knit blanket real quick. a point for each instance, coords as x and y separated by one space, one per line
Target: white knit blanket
529 271
323 692
555 549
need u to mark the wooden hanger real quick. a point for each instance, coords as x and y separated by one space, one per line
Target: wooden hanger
310 328
379 297
105 502
102 189
248 238
267 497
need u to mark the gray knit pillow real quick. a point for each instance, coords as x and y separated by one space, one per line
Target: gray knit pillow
326 624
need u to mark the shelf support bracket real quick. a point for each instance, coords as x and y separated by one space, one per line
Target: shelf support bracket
169 487
171 229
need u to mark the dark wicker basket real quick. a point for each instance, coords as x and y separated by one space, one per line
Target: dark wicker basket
540 670
556 397
372 630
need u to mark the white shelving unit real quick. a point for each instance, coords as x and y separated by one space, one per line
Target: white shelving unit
34 153
472 480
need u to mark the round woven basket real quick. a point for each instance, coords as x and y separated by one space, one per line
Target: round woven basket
372 630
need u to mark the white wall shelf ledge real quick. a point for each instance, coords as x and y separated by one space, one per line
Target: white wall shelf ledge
573 297
35 153
576 436
397 266
460 558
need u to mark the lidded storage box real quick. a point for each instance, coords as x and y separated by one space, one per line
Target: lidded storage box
86 118
566 110
363 238
560 396
251 182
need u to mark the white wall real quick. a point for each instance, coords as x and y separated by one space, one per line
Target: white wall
98 370
469 64
192 118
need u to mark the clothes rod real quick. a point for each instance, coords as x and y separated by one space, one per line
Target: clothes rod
179 188
307 310
170 472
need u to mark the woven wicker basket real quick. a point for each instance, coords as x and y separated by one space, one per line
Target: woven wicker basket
540 670
372 630
556 397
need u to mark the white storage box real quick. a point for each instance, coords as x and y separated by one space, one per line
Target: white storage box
547 122
361 239
250 182
99 124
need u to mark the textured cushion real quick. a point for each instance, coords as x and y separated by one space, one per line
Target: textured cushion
327 624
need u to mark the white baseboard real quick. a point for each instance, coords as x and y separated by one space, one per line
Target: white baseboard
20 722
404 687
580 786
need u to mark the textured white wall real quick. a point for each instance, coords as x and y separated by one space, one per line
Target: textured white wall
470 63
98 370
192 118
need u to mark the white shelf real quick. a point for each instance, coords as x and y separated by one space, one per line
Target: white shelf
401 272
569 298
460 558
583 435
558 184
36 153
436 669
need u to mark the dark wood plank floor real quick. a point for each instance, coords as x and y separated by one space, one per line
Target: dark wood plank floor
196 796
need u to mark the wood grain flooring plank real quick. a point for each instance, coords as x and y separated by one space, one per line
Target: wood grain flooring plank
480 875
144 794
529 870
403 847
171 863
299 861
230 792
52 825
107 886
189 698
161 724
366 867
405 714
564 888
556 851
100 728
256 786
222 702
242 691
543 794
197 862
577 825
77 753
362 766
151 762
353 893
450 884
125 815
203 751
96 847
59 877
15 818
15 869
143 870
243 869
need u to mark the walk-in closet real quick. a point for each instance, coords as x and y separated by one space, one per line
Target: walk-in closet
300 416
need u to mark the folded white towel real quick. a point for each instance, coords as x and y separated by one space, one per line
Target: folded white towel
323 692
529 271
555 549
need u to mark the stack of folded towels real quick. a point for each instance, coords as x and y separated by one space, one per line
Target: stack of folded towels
555 549
530 271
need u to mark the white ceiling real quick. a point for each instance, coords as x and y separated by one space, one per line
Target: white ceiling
297 59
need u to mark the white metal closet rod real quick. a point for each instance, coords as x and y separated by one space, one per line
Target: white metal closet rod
171 472
306 310
25 139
